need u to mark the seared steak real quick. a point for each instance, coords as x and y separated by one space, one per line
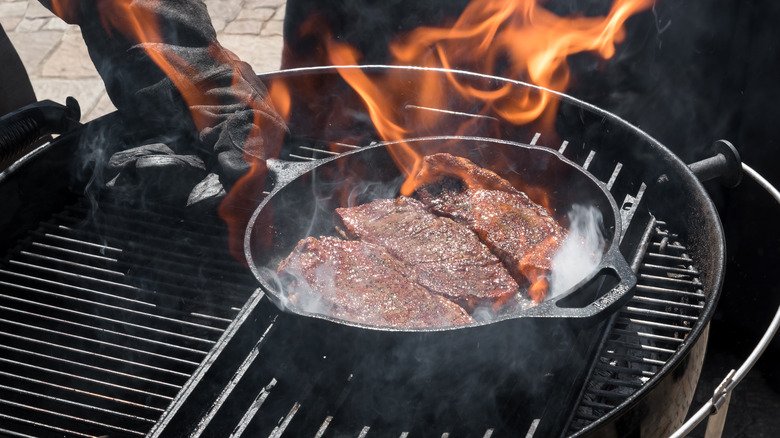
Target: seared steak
361 282
447 258
521 232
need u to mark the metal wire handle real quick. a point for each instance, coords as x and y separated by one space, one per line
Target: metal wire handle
723 391
23 127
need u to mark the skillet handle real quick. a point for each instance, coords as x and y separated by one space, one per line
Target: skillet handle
613 270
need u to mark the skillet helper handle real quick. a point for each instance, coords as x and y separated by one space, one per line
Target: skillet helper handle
613 269
23 127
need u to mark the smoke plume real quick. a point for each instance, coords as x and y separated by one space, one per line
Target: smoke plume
581 251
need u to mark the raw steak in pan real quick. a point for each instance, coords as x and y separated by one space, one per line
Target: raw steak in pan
361 282
447 258
522 233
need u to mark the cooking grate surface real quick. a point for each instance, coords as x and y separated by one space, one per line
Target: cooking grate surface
105 315
647 331
272 390
109 318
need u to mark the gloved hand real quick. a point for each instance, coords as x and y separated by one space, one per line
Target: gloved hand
156 172
174 78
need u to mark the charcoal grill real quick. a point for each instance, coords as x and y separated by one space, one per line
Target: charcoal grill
127 318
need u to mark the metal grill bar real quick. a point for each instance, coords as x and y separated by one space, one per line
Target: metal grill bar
71 417
656 301
657 313
678 281
254 407
633 359
63 324
131 291
58 285
623 370
72 253
644 347
279 430
596 405
648 288
103 399
85 315
38 427
321 431
56 237
88 350
136 313
235 381
63 374
124 416
654 324
647 332
84 267
638 334
93 355
102 344
150 247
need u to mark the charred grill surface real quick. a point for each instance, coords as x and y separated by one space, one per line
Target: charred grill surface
448 259
363 283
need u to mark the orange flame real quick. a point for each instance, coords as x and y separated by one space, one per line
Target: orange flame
239 204
517 39
538 290
279 94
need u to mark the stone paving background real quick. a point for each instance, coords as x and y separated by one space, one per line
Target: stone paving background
56 59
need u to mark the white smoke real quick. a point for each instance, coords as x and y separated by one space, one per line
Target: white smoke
306 297
581 252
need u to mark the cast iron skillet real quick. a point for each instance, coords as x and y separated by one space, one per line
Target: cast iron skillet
306 194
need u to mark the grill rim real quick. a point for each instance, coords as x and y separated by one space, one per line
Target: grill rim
682 169
613 256
712 274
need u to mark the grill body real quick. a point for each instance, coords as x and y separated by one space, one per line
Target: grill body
650 182
270 373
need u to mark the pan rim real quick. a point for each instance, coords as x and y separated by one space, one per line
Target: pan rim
611 250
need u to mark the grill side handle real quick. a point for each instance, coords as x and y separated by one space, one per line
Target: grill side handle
25 126
725 164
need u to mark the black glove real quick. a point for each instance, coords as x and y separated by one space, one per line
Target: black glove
201 87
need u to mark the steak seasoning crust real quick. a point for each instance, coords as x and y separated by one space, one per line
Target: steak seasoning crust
361 282
447 258
521 232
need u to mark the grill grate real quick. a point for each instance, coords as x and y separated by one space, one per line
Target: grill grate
266 394
101 324
105 316
647 331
